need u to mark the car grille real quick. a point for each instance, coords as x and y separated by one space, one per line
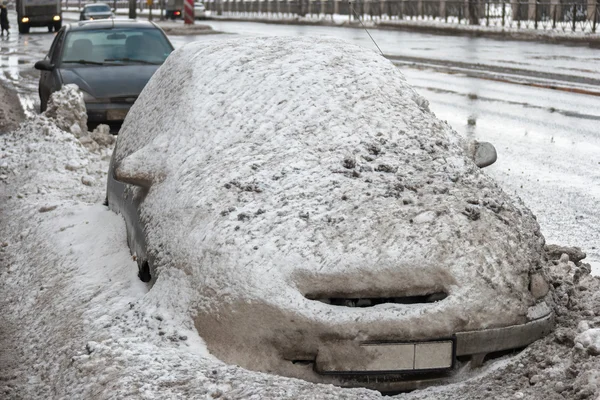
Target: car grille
40 10
352 301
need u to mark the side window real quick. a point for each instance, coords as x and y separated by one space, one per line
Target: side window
53 46
56 48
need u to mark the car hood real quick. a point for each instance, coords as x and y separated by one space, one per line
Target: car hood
109 81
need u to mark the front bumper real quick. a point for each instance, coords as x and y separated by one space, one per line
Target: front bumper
475 344
107 112
499 339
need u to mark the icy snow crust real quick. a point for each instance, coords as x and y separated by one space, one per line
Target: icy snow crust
294 168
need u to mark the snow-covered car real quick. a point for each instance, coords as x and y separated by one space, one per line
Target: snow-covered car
199 10
326 224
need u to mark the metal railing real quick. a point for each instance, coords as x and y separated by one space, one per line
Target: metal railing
583 16
124 4
529 14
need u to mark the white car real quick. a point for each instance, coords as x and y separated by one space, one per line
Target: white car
326 225
199 11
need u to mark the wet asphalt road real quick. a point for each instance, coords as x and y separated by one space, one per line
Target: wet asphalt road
548 141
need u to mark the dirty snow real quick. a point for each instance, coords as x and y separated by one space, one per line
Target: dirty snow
75 321
67 108
11 112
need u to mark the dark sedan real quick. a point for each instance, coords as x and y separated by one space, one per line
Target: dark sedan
110 61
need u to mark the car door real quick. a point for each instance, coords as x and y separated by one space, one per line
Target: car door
50 80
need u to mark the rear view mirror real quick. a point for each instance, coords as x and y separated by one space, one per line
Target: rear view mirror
483 153
44 65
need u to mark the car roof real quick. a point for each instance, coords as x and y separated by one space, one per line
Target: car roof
110 24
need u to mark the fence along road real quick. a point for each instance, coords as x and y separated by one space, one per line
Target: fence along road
549 15
581 16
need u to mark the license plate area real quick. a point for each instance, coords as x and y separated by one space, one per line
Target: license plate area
386 357
116 115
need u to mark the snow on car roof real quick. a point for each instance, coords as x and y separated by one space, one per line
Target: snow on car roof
285 168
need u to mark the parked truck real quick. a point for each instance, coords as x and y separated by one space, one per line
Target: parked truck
39 13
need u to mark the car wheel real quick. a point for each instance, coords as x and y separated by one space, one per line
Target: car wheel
144 271
57 26
50 27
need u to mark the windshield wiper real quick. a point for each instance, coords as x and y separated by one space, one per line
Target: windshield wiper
83 62
137 60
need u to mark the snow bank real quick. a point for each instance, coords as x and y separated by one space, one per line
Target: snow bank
67 108
11 112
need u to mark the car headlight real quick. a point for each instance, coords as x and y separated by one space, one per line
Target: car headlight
25 20
56 18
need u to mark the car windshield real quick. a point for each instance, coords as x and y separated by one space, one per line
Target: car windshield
116 47
98 8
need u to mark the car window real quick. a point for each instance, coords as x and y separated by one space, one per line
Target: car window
116 46
53 47
54 53
97 8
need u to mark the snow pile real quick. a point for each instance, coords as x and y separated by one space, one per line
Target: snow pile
99 138
11 112
67 108
589 339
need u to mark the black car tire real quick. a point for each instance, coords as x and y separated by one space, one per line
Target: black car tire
57 26
144 271
23 28
50 27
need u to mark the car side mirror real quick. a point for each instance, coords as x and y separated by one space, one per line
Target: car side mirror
44 65
483 153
